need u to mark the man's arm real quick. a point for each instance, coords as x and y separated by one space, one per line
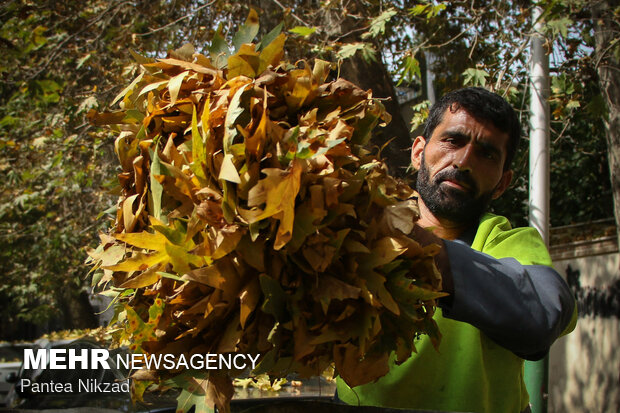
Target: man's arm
524 308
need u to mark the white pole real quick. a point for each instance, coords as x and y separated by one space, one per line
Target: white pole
539 134
430 77
536 372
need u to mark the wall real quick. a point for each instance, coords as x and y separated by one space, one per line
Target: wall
584 367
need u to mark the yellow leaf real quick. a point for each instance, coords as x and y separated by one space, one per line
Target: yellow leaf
153 86
210 276
180 258
127 89
205 117
249 297
278 192
129 218
244 63
302 86
384 251
376 285
424 294
138 262
105 118
320 71
126 148
228 172
144 279
238 66
144 240
355 246
174 86
226 243
272 54
199 154
257 141
401 216
199 68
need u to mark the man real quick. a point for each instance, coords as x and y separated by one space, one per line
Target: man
506 303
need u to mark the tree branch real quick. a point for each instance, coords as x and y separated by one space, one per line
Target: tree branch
58 48
192 14
509 63
292 14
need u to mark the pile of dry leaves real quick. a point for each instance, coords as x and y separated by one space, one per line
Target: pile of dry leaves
254 220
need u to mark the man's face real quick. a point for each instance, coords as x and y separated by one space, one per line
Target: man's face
461 167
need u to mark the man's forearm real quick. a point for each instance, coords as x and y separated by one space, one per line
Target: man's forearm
524 308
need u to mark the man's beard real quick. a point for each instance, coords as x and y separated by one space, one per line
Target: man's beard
446 202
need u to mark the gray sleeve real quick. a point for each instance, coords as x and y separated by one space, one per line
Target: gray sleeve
523 308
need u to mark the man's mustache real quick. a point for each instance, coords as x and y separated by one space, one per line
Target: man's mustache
457 175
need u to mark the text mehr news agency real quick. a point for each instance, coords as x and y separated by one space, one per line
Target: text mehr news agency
71 359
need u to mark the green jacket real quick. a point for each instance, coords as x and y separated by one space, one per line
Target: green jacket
524 305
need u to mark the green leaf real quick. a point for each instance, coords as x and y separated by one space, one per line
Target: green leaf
559 26
349 50
199 152
8 120
247 32
303 31
271 54
271 36
435 10
418 9
193 393
475 77
430 10
377 25
410 69
219 51
83 60
420 114
127 89
171 276
369 53
236 115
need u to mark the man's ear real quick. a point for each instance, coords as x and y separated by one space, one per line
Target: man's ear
416 152
503 183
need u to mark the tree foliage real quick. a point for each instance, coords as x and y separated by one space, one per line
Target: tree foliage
61 59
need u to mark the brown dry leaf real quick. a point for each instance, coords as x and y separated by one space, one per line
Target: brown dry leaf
277 191
356 370
252 220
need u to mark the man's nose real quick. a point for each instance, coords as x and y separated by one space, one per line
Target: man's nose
464 158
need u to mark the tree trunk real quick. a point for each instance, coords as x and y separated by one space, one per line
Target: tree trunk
605 30
373 75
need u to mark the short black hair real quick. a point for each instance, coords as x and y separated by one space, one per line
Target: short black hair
484 106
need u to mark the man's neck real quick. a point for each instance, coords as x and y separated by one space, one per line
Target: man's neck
442 228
